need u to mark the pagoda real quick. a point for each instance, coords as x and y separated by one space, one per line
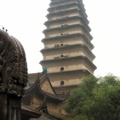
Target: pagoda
67 52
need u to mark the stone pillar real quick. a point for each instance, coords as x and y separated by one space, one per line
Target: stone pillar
10 107
3 107
14 108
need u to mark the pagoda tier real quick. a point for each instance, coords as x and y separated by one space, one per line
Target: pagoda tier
57 3
68 64
63 6
66 21
67 52
79 38
68 29
68 13
66 80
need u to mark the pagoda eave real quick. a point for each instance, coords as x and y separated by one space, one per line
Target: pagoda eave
65 5
67 58
68 36
63 12
60 6
67 27
82 5
68 46
54 2
67 18
70 71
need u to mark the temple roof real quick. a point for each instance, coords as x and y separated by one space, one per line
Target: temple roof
39 97
26 111
33 76
36 89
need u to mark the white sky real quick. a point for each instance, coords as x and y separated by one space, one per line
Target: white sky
25 19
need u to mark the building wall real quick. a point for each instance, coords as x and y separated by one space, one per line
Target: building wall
46 87
66 79
64 23
36 103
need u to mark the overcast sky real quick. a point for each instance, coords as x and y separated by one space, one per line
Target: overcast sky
25 19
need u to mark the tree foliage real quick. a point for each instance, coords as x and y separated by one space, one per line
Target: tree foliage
95 99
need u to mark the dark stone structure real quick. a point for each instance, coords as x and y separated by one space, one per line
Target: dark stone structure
13 76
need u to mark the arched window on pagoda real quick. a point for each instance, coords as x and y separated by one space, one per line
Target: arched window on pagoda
62 83
62 69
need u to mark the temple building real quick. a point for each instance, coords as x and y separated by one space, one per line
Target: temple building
67 52
40 100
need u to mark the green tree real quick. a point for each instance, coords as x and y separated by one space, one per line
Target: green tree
95 99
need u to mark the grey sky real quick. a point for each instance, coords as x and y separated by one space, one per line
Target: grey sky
25 19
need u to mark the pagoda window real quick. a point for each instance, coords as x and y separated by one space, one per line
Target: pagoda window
62 69
61 44
62 83
65 25
62 55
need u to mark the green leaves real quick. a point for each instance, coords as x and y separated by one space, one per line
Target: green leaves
95 99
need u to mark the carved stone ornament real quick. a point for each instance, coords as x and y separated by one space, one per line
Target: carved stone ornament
13 66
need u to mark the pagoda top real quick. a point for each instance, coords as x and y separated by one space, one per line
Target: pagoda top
66 0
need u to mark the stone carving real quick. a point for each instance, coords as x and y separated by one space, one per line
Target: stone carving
13 66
